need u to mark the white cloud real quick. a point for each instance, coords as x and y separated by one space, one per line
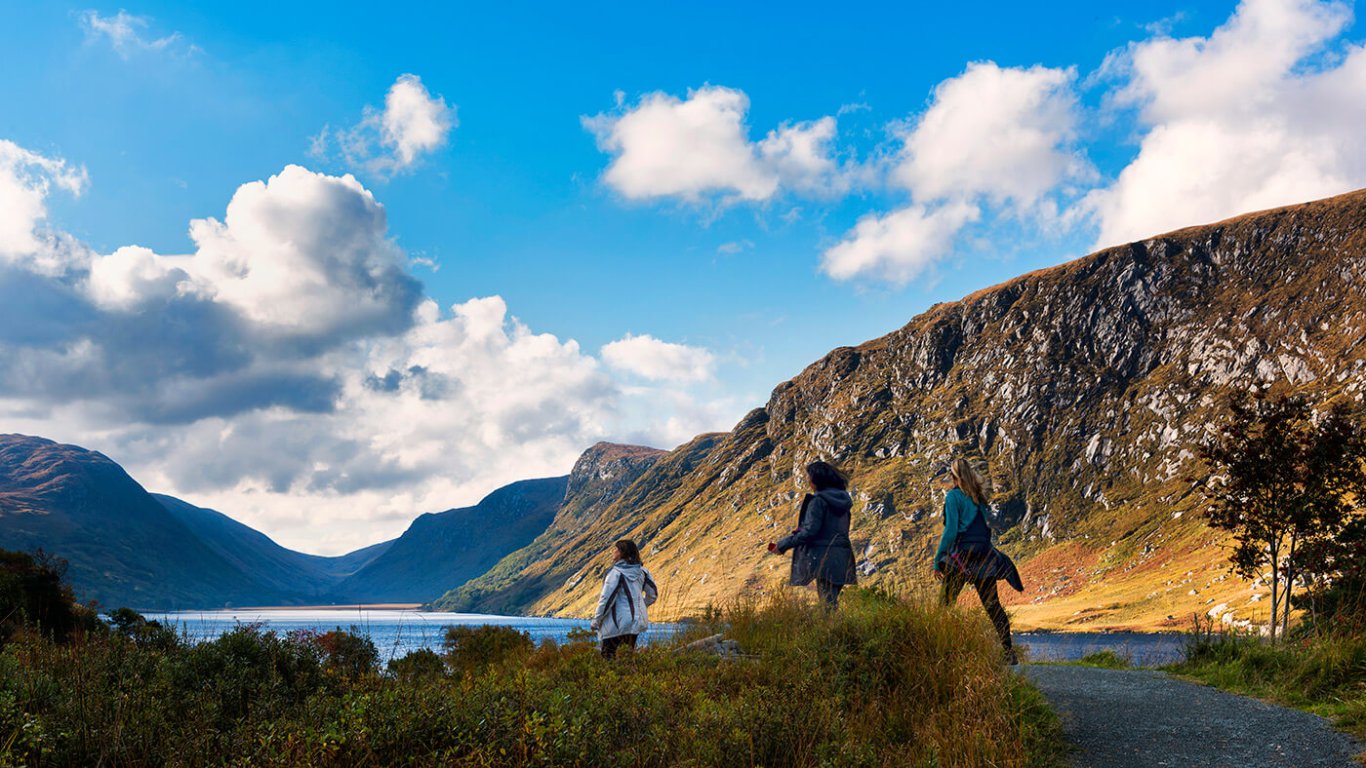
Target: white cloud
698 147
412 124
289 372
26 179
124 32
658 360
992 136
1001 133
1261 113
132 276
899 246
306 254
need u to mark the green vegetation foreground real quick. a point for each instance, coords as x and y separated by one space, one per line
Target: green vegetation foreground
882 682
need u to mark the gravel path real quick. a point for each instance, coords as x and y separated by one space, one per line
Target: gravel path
1133 718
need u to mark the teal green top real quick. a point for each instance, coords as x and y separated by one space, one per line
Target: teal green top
959 512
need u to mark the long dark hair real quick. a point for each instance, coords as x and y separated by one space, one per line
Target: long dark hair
629 551
823 476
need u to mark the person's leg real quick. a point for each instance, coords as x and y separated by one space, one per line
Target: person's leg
829 593
991 600
953 585
609 646
629 641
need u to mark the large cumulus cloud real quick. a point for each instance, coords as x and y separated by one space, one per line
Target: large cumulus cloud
289 370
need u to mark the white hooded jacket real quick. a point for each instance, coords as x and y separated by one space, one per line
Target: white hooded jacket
626 591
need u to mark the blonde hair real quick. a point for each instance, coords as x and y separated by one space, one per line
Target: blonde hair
968 481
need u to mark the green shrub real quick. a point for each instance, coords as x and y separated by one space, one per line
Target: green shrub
1106 659
422 663
470 649
132 625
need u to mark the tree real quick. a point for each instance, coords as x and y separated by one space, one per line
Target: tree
33 593
1281 476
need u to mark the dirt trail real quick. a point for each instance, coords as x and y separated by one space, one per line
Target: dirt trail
1140 718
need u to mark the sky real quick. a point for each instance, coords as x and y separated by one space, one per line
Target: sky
325 267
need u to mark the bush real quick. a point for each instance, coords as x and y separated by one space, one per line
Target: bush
470 649
133 626
422 663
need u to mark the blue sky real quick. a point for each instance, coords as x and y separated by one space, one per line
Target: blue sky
552 191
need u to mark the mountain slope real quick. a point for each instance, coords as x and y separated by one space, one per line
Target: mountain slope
253 552
599 477
444 549
123 546
1082 390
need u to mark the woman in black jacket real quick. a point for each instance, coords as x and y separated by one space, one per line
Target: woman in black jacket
821 550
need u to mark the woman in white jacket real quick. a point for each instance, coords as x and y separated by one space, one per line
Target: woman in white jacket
626 591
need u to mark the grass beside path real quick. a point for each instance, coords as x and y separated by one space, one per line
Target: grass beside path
883 682
1324 674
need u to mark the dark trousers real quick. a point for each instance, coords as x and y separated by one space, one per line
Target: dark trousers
611 644
829 593
986 590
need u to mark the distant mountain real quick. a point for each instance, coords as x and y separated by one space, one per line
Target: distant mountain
124 547
1082 390
129 547
444 549
253 552
600 476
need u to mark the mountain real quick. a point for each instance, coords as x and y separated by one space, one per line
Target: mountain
252 552
124 547
444 549
1081 390
599 477
149 551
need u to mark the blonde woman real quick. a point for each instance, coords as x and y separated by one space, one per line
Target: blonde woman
965 554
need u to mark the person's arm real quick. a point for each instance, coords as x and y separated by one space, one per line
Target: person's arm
951 512
811 525
650 591
609 585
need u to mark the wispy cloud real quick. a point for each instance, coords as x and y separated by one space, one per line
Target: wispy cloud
127 34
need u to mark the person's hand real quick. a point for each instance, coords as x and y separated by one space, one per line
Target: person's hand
773 548
593 625
938 575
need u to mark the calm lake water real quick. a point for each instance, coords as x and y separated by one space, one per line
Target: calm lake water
398 632
394 632
1142 649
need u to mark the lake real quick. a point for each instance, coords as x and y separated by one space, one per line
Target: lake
1142 649
394 632
398 632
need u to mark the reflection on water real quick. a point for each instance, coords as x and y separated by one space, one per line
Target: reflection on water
394 632
1142 649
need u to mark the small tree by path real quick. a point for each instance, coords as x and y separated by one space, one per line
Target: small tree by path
1279 476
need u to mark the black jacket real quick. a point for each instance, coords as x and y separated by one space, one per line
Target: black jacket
821 546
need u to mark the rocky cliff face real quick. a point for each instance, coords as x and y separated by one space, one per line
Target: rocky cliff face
1082 392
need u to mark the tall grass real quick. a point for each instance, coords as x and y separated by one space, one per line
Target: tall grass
1322 672
881 682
